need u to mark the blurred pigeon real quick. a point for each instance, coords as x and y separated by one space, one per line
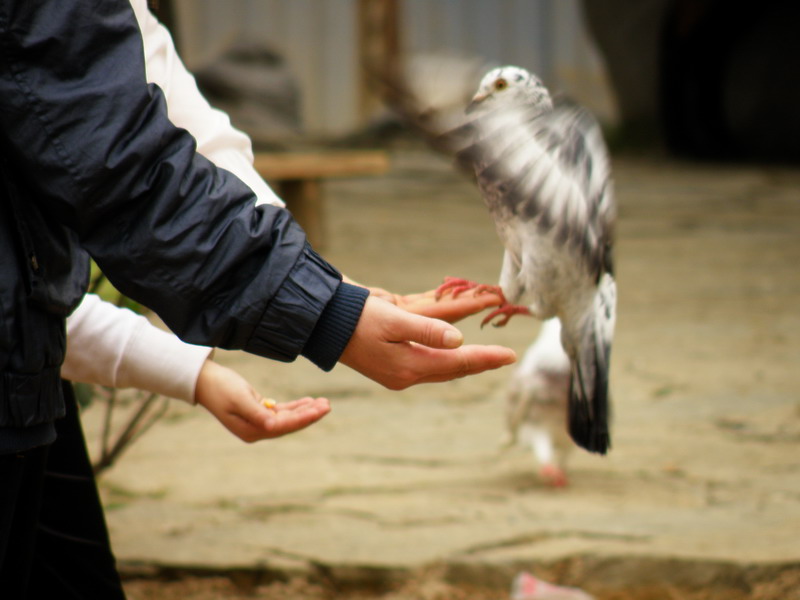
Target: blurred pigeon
544 173
537 404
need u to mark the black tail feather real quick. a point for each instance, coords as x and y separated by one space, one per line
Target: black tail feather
589 410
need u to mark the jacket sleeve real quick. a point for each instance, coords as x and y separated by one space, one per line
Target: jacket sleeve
93 143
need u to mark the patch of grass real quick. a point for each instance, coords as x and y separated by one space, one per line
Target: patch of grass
116 496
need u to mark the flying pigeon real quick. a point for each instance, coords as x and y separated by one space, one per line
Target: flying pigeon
537 397
544 173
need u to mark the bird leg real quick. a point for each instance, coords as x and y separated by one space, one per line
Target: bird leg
457 286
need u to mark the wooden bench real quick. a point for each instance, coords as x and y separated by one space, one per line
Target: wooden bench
297 179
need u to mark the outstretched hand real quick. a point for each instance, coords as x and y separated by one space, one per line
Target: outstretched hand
238 406
447 308
399 349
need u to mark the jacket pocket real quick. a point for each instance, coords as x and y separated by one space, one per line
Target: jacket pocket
29 400
55 269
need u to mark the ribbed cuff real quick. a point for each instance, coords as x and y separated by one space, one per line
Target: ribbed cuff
295 309
335 326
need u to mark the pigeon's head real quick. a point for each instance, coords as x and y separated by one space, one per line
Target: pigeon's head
509 86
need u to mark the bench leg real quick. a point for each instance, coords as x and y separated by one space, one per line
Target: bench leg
303 198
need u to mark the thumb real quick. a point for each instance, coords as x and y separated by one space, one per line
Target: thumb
433 333
251 409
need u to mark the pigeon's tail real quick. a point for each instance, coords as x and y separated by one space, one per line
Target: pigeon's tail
589 401
589 404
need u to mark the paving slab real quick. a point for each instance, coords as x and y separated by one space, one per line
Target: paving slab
705 464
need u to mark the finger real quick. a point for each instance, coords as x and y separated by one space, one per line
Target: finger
445 365
290 421
454 309
256 416
433 333
295 404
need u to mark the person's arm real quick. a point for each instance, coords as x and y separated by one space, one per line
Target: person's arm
168 228
115 347
93 142
231 149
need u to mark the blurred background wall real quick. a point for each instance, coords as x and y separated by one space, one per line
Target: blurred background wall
320 42
702 78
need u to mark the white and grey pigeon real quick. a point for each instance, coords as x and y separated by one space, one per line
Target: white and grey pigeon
544 173
536 404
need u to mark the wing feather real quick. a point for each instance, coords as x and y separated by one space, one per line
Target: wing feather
552 168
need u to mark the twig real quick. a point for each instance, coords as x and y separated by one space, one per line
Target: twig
110 402
134 428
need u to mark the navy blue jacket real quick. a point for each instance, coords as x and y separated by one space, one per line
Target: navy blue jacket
90 165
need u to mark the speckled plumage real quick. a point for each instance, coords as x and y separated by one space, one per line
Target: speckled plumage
545 176
544 173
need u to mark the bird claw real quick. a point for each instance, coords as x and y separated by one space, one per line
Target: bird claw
508 311
456 286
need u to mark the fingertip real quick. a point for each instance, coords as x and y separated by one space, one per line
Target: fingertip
452 338
494 357
507 357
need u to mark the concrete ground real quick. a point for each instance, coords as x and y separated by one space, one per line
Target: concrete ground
704 472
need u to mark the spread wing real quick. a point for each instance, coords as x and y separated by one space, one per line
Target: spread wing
550 168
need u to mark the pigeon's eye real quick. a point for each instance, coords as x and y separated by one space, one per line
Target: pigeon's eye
500 84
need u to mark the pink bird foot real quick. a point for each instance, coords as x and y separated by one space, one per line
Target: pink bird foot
554 476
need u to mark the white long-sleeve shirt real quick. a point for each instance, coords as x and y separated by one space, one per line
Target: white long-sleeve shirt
116 347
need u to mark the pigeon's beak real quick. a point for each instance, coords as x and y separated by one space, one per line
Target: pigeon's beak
476 101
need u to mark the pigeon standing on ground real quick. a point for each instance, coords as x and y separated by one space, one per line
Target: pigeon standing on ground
537 397
544 173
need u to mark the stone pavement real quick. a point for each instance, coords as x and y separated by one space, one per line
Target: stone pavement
704 468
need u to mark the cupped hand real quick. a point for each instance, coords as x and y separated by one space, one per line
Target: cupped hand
238 406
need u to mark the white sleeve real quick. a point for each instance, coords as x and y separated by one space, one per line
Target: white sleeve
116 347
217 139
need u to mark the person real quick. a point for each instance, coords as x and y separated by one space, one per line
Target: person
90 162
